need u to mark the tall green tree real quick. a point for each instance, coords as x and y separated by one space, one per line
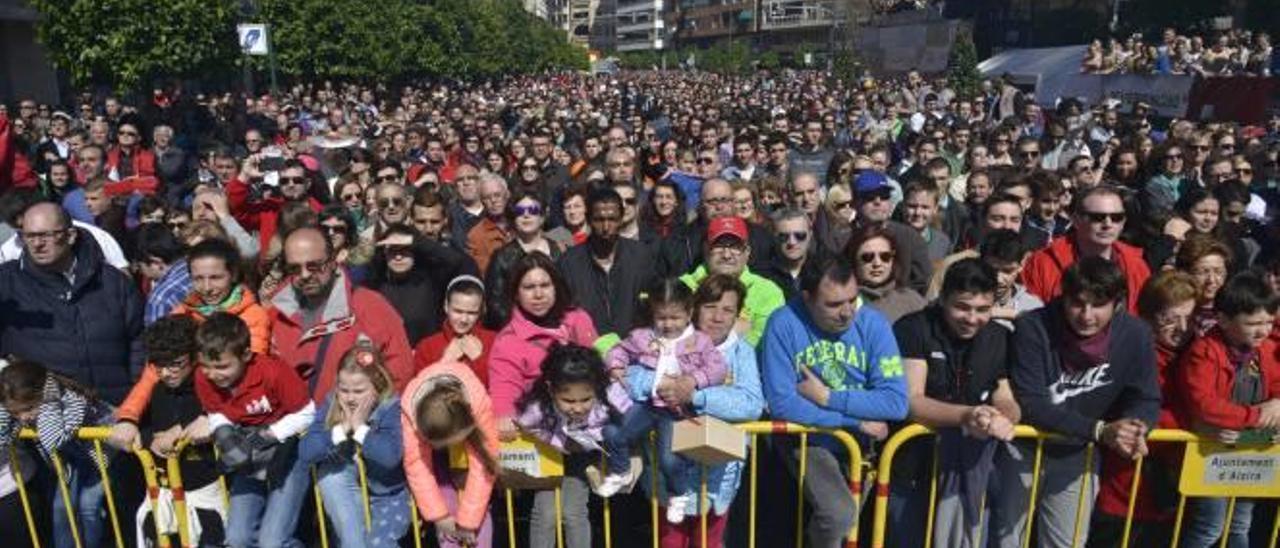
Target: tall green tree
962 66
126 43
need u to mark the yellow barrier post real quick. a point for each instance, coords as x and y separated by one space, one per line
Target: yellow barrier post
751 515
66 499
845 438
101 459
1226 522
178 489
1133 501
324 535
653 493
364 489
804 461
153 493
702 505
511 518
22 495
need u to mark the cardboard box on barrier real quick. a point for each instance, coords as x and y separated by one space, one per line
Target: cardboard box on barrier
525 463
708 440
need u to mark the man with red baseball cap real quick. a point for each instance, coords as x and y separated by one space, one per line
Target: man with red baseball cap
727 252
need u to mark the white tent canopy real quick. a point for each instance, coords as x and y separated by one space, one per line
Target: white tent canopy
1025 66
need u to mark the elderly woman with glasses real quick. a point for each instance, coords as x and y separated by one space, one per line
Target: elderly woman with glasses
1166 303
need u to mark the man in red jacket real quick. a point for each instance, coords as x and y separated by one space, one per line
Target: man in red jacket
262 213
1098 220
1229 383
320 314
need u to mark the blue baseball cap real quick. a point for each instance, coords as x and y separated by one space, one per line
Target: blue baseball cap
870 181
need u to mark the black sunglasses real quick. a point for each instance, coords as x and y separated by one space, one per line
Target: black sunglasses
1097 217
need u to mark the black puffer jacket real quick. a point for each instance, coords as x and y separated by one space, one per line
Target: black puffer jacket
88 330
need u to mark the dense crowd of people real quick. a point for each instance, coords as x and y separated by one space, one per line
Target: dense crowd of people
379 287
1227 53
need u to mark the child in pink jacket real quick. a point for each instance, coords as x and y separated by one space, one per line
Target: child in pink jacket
447 406
672 349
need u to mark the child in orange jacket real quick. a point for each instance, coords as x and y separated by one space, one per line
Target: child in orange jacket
447 406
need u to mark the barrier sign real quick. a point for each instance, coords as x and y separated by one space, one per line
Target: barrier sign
1218 470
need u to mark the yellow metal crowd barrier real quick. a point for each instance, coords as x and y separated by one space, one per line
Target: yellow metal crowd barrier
884 470
172 480
753 430
881 476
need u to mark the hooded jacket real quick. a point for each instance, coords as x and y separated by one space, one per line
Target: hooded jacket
1071 402
1043 273
88 328
419 464
348 314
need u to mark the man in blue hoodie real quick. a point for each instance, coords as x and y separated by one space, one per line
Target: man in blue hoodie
829 362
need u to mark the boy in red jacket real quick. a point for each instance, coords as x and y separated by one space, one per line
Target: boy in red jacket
1229 381
256 406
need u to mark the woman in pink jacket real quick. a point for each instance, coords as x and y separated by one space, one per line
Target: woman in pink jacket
541 315
446 406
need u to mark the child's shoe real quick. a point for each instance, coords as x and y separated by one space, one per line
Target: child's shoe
676 508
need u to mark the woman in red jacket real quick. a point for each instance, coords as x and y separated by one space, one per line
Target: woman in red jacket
1229 382
1167 303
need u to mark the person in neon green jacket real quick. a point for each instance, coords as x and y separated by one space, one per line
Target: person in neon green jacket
728 253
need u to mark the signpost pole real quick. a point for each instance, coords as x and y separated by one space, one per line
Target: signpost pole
271 60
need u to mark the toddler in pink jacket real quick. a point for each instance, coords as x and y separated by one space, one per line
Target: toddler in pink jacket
673 349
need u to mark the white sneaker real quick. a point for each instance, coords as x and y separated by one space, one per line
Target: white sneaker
612 484
676 507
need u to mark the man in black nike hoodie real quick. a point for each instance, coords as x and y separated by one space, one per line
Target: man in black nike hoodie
1083 369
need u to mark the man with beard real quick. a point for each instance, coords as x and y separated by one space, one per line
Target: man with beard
321 313
257 206
608 273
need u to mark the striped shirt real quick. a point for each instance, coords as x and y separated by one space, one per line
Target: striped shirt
172 288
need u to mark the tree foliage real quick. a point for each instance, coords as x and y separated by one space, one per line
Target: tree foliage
962 66
127 43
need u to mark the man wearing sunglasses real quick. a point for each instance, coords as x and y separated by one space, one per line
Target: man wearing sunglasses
794 232
257 206
1098 220
321 313
129 158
